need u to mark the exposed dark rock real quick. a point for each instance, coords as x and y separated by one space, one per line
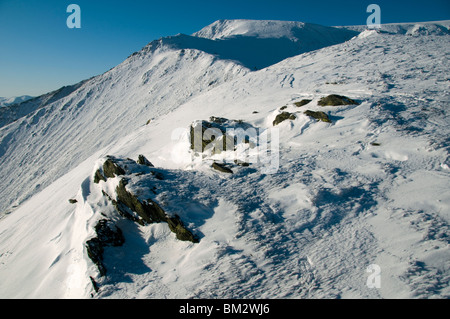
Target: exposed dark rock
221 168
375 144
106 236
112 169
241 163
142 160
320 116
94 284
94 250
73 201
283 107
335 100
219 134
283 117
200 142
124 211
148 210
204 135
98 176
131 207
218 120
177 227
302 102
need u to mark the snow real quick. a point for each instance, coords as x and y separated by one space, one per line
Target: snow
13 100
369 188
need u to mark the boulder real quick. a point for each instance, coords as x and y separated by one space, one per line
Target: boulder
335 100
221 168
218 120
206 135
302 102
283 117
241 163
320 116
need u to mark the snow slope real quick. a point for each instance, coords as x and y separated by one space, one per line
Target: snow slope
42 138
369 188
42 145
13 112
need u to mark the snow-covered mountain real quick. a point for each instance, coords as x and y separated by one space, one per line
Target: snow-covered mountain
368 186
163 75
5 101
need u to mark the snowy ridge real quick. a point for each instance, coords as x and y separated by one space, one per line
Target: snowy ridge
13 100
259 44
368 187
154 81
13 112
420 28
142 87
251 28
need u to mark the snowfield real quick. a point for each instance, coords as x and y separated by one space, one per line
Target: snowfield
368 187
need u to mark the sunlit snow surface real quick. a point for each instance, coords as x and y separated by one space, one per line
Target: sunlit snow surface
369 188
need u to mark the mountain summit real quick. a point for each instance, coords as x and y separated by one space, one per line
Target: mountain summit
256 28
259 44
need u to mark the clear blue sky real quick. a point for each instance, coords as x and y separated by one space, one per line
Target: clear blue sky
38 53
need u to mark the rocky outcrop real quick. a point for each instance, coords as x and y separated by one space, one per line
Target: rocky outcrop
148 210
283 117
210 134
98 176
219 134
142 160
335 100
181 232
130 206
107 234
320 116
111 169
302 102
